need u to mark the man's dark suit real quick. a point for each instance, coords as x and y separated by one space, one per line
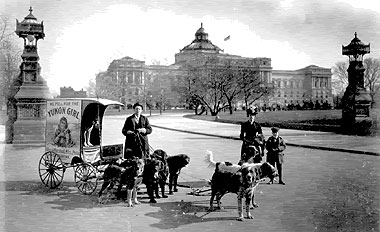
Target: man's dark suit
132 146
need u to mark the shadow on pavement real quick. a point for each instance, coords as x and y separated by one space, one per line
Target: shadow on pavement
67 196
171 214
176 214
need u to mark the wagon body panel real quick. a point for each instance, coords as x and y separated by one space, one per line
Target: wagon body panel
63 127
67 119
78 114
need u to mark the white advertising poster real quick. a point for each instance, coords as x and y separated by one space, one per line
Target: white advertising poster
63 125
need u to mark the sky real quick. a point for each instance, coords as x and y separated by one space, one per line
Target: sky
83 37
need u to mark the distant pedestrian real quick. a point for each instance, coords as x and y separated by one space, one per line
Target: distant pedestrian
136 130
275 146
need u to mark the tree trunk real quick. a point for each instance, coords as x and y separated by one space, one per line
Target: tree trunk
231 110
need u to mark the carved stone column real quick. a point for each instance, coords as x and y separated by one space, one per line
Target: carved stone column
30 99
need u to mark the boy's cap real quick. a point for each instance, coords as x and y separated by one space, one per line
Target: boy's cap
275 129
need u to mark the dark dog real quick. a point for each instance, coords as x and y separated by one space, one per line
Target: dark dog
176 163
127 173
162 173
151 177
232 178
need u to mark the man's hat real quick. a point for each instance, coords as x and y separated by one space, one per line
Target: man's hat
275 129
137 104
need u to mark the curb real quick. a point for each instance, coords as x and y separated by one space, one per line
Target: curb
290 144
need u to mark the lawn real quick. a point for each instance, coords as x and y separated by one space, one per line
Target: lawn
311 116
315 120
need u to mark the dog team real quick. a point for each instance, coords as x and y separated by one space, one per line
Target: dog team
138 166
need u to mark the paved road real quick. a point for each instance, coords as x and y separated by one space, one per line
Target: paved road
325 191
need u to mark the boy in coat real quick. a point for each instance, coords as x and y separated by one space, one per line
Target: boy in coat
136 130
275 146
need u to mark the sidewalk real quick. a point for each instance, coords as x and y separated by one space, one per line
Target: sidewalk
308 139
299 138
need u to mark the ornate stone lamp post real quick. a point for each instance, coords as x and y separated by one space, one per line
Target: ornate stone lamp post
31 96
356 100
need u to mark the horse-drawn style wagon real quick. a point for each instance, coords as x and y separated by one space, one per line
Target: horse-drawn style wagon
73 138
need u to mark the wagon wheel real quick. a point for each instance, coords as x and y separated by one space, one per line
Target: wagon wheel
51 169
85 178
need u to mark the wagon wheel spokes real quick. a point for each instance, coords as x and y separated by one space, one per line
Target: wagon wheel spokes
51 170
85 178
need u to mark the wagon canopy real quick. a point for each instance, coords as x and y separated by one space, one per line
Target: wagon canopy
102 101
66 121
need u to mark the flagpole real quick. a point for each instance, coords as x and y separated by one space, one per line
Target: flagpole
226 39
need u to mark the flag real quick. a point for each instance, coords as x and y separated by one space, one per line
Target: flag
227 38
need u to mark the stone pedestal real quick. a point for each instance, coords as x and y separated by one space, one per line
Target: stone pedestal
355 112
29 128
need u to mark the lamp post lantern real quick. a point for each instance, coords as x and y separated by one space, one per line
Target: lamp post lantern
356 100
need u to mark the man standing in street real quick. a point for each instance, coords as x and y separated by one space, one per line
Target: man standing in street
136 129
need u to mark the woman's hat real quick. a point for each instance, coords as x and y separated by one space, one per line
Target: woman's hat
252 111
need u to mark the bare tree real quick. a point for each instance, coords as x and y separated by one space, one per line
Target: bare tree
91 88
218 86
206 85
184 87
340 71
9 59
10 80
231 85
253 86
5 28
159 89
371 75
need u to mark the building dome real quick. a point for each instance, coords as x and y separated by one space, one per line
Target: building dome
200 31
201 42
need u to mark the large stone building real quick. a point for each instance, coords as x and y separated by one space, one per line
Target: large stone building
128 79
310 84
